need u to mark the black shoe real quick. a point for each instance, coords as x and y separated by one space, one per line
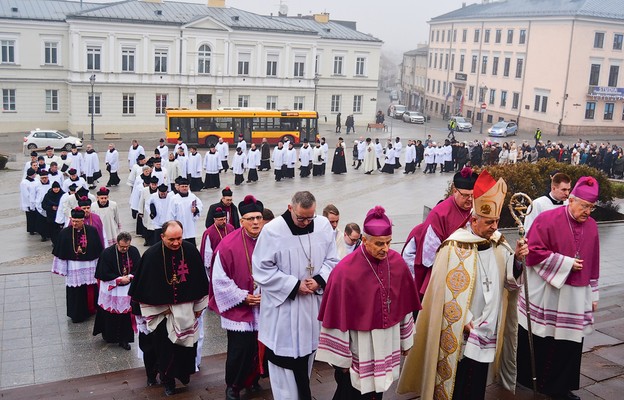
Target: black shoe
255 388
124 345
152 382
230 394
568 396
44 239
32 233
170 389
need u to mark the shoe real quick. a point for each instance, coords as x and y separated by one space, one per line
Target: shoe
230 394
255 388
124 345
108 185
170 389
405 173
44 239
567 396
152 382
368 173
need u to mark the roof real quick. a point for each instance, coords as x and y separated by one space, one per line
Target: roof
608 9
418 51
176 14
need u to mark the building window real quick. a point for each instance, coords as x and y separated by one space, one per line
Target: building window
608 111
445 61
298 103
444 87
464 35
52 103
93 58
161 104
299 67
515 102
469 114
316 64
271 103
507 66
243 100
497 37
477 32
452 62
8 99
94 104
430 59
335 103
503 102
243 64
599 40
360 62
481 94
50 53
492 96
522 38
271 69
486 36
473 66
479 116
510 33
432 35
594 74
428 84
437 36
590 110
439 86
454 35
471 90
614 71
461 62
443 36
127 104
617 41
484 61
489 119
160 61
127 59
519 63
435 60
338 60
494 65
541 103
203 59
357 101
8 51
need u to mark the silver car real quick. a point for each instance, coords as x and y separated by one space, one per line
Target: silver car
42 138
503 129
414 117
463 125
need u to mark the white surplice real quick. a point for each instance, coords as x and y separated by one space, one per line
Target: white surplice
180 210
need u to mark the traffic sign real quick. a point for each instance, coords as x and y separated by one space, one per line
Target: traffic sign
483 106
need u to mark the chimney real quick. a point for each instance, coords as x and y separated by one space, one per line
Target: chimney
322 18
216 3
463 4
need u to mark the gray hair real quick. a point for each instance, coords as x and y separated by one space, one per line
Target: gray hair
303 199
124 237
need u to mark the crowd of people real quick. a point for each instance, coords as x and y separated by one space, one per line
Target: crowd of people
288 288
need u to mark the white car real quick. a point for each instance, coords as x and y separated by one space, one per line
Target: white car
463 125
399 109
503 129
414 117
42 138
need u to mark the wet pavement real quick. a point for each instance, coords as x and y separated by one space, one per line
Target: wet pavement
41 345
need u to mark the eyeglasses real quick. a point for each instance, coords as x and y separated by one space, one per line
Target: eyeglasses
587 206
304 219
465 196
256 218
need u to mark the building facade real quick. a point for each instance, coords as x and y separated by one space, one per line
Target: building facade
127 62
414 78
552 64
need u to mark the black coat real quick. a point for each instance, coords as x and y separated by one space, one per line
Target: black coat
211 211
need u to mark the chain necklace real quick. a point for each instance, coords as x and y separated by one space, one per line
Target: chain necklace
577 243
243 233
310 268
174 279
125 270
219 232
82 245
383 288
487 282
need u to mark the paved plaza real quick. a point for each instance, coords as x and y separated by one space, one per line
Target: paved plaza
40 344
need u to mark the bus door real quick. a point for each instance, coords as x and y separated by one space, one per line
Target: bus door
308 129
242 126
188 130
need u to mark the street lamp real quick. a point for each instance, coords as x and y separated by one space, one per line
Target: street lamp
92 80
316 81
482 110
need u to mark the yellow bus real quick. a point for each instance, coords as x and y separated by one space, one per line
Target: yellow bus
202 127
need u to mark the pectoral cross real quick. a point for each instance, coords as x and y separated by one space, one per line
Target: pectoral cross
310 268
83 241
182 271
487 283
388 301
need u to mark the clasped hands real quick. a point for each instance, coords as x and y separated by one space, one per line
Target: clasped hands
252 299
308 286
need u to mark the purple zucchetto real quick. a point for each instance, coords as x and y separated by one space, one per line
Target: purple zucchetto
587 189
377 222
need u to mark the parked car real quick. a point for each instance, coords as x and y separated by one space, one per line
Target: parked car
414 117
398 110
463 125
41 138
503 129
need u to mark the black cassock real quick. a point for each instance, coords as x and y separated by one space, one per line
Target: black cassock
339 164
150 286
115 327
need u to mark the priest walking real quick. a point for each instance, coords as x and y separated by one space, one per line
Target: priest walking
362 334
292 261
171 288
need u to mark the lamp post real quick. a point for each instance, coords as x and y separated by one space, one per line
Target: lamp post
482 110
316 81
92 80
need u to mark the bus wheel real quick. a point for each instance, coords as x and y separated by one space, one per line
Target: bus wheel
211 140
289 139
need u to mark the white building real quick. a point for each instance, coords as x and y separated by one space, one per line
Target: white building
414 77
146 55
552 64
